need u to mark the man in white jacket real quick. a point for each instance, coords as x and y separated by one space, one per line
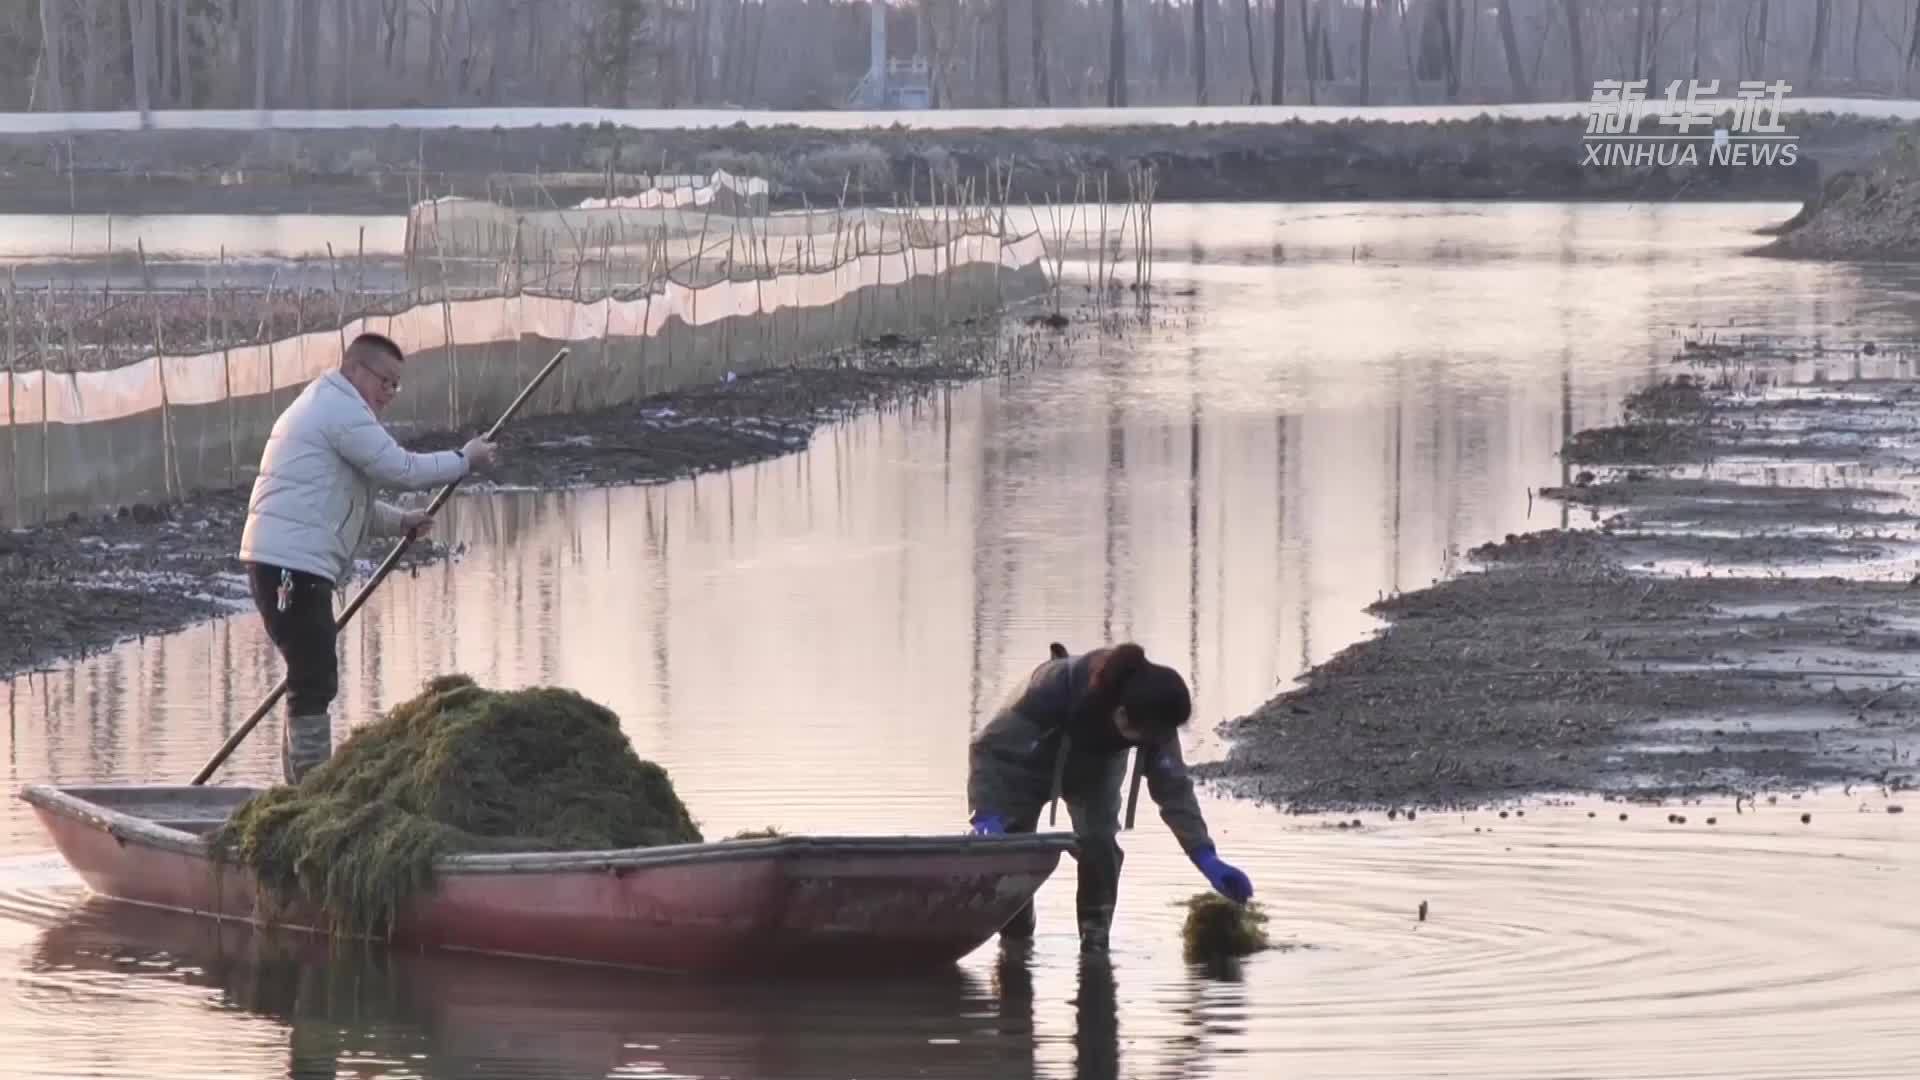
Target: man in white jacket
313 505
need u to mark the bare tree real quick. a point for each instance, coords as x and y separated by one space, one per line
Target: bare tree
1253 61
1279 51
370 53
1003 50
1041 94
264 12
1822 16
1366 51
1859 22
343 55
140 23
1913 50
53 44
1510 42
160 12
93 40
183 49
1309 48
1760 60
1200 51
1699 14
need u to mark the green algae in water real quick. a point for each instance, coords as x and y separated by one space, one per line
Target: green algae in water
457 769
1218 929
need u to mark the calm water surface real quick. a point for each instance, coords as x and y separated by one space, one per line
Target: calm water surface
1330 403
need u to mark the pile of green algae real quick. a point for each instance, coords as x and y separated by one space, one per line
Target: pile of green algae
457 769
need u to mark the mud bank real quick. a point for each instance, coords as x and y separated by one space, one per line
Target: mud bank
1868 212
373 169
83 585
1711 632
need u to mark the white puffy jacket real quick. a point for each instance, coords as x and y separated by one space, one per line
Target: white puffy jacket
313 503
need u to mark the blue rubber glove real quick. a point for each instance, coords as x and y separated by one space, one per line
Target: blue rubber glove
1229 881
988 825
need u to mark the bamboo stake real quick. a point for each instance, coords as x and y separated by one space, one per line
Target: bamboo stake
46 435
260 335
446 318
299 322
226 372
339 299
453 362
13 414
169 473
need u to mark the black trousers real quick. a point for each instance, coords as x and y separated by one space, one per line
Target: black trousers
303 633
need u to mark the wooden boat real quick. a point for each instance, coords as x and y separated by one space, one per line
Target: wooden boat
845 905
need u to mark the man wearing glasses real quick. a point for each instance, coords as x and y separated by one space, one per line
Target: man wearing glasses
313 505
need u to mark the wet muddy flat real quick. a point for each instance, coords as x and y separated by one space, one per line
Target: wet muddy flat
318 170
1697 634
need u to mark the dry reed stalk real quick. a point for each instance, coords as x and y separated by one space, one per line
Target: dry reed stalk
46 434
299 323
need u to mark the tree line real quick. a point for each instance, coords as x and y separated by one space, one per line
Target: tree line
809 54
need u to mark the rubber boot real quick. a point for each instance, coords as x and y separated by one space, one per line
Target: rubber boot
306 743
1093 936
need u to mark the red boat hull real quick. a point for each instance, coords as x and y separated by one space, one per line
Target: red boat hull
846 905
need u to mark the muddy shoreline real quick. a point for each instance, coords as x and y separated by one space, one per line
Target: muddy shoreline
79 587
379 169
1710 634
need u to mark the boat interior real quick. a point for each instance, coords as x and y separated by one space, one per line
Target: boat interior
196 809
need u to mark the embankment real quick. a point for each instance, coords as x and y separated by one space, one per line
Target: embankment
380 169
1714 632
162 428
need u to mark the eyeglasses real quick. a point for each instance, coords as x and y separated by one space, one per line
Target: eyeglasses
391 383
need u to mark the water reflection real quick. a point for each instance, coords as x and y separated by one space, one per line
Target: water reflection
321 1011
807 642
1230 483
1096 1040
352 1011
200 236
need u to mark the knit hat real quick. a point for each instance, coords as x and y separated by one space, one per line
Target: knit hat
1155 696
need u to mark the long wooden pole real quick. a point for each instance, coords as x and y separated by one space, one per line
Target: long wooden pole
386 567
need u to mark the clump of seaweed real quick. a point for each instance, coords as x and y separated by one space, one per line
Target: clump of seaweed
1219 929
769 833
459 768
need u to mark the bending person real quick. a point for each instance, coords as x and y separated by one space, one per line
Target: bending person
1066 734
